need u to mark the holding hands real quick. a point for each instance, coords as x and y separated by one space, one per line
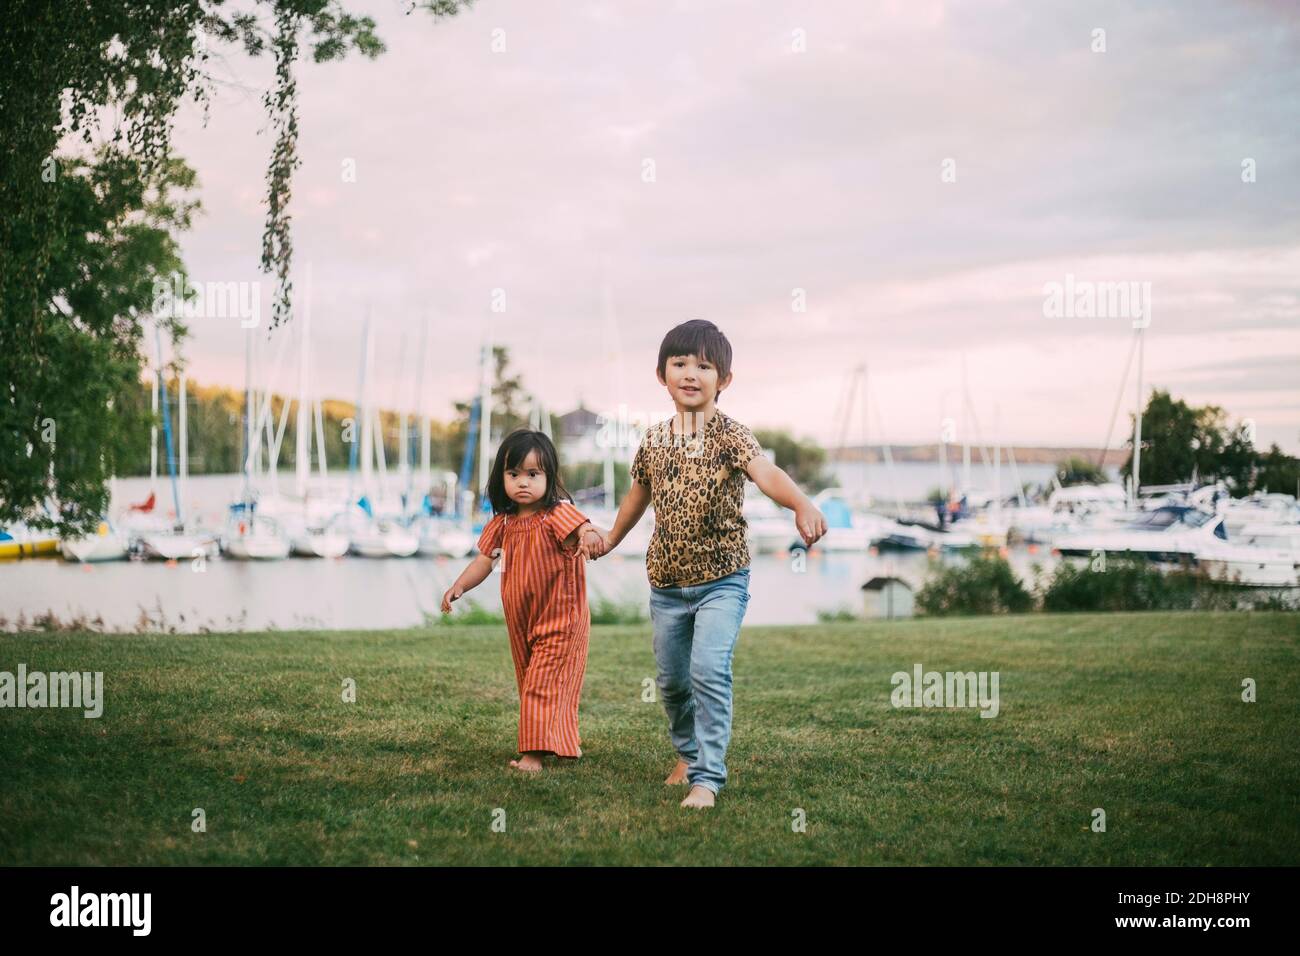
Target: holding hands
593 543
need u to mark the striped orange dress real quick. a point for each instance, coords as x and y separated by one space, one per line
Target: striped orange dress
544 595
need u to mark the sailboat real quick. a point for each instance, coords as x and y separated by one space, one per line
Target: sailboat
311 519
175 541
251 536
374 534
108 543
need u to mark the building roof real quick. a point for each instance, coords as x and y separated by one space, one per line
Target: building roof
578 422
878 583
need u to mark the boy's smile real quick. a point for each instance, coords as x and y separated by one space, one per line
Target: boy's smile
692 382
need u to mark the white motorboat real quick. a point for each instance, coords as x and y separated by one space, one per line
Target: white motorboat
1260 510
1090 505
1249 565
909 534
1171 534
1038 524
1263 555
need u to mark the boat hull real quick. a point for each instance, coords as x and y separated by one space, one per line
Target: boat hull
324 545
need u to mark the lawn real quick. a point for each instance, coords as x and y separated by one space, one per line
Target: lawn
1138 714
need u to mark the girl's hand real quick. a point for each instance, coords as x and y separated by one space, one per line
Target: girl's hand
453 593
592 543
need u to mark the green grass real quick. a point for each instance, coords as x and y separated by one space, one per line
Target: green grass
1139 714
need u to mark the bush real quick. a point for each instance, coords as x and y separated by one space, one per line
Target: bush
984 585
607 611
839 615
1133 584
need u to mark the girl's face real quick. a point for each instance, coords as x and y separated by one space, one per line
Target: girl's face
692 381
526 482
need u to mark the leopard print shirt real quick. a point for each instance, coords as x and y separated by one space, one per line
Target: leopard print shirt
697 487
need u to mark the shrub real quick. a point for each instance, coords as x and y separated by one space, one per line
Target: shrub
1134 584
983 585
607 611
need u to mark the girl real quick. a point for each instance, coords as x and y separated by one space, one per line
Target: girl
542 540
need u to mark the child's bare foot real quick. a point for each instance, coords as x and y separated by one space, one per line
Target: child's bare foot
699 798
679 773
528 763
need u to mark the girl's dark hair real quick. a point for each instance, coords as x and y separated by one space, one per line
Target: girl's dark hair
698 337
514 449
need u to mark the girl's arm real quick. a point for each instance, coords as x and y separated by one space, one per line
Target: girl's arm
473 575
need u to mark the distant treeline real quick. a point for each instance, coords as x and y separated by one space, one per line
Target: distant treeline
216 427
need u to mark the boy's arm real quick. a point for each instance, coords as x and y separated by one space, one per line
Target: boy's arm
780 487
630 511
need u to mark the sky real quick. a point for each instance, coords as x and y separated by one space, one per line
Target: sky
891 185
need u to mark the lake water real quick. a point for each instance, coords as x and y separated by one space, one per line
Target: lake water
356 592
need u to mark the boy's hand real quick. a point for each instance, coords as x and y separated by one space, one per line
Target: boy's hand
453 594
810 522
591 543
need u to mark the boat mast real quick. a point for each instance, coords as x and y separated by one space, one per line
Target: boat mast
422 406
965 429
167 432
302 427
367 422
185 434
153 437
485 419
866 451
248 413
404 434
1137 429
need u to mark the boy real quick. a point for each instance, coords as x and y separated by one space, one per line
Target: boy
693 468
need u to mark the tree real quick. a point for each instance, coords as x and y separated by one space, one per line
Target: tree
116 239
1179 441
1277 471
1080 471
66 65
804 461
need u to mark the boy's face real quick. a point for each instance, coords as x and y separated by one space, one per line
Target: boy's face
692 381
526 482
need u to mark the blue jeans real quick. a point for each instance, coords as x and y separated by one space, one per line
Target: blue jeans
695 632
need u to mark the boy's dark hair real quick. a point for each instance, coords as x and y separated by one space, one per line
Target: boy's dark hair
514 449
701 338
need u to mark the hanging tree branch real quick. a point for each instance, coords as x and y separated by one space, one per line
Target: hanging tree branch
281 103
